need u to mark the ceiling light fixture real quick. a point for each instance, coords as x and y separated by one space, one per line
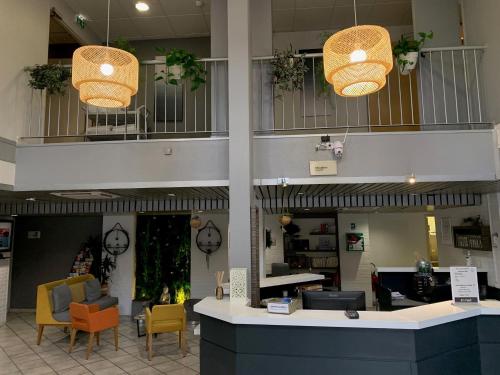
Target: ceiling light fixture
31 199
356 60
411 179
105 76
171 194
141 6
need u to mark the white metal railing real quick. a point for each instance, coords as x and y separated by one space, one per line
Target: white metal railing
444 92
158 110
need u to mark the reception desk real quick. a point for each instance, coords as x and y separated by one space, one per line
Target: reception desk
440 338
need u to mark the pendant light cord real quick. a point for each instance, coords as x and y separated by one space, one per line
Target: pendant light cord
107 29
355 14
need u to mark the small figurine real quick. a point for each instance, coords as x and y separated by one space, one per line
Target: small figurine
165 296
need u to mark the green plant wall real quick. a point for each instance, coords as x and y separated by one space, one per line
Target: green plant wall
163 257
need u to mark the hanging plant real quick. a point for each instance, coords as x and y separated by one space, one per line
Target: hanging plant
406 51
124 45
182 65
53 78
288 70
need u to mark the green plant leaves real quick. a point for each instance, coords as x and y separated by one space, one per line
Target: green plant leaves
124 44
288 70
189 67
53 78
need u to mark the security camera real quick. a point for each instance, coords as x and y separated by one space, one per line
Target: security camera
338 149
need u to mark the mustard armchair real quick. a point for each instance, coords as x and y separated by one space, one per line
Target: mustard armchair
163 319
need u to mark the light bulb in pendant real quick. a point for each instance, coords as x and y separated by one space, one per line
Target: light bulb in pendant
107 69
358 55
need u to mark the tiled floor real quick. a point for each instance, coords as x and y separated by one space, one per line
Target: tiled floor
19 353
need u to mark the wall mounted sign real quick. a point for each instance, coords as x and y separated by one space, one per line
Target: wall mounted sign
34 234
464 286
355 242
5 235
323 168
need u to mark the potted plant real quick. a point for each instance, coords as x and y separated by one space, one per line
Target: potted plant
107 266
288 70
406 51
52 78
182 65
124 44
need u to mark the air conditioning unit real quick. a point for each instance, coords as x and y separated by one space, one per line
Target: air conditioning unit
85 195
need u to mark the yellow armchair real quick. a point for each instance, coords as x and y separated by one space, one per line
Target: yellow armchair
162 319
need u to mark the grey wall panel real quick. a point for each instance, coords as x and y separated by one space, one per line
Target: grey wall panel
460 155
463 361
489 359
7 150
49 258
120 164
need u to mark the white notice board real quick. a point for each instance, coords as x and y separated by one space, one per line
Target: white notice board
464 287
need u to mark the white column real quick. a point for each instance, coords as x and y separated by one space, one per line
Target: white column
494 220
122 283
240 136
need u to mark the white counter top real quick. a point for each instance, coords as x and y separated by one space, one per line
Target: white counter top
414 269
412 318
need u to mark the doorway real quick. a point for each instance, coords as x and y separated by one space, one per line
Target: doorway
432 247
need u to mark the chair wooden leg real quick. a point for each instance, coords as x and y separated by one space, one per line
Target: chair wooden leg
72 339
98 338
150 346
91 342
116 338
40 334
180 339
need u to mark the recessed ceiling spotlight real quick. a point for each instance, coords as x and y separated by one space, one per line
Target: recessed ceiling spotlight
300 193
141 6
14 215
31 199
171 194
307 209
411 179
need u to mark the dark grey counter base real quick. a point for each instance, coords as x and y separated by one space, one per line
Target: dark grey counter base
465 347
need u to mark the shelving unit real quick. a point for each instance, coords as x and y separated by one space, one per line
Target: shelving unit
315 247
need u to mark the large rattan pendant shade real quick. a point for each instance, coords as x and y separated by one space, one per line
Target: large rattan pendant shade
356 60
105 76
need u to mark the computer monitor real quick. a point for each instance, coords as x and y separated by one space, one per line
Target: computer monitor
327 300
280 269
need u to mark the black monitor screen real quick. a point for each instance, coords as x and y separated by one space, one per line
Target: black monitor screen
334 301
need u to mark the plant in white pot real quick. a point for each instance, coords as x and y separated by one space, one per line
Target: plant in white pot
182 65
406 51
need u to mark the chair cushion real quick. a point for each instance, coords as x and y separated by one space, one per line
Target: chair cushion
62 316
77 292
104 302
92 290
61 298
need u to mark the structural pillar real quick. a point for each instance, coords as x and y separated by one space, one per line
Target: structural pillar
241 195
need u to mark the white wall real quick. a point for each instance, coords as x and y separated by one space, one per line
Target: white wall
203 278
482 28
123 277
442 17
275 253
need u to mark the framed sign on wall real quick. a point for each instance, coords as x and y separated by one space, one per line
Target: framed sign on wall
355 242
5 235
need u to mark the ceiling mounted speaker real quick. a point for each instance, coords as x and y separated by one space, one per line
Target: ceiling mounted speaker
356 60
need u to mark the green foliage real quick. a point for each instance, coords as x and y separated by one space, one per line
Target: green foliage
124 44
288 70
405 45
51 77
163 256
107 265
192 69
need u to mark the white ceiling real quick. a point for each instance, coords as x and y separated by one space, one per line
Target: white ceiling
182 18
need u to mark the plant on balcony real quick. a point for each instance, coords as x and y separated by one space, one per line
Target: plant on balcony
53 78
288 70
181 66
124 44
406 51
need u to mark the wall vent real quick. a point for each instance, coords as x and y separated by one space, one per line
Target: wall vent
88 195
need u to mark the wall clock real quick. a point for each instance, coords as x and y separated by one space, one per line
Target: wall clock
116 240
209 240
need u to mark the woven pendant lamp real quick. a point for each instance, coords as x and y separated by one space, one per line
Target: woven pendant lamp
356 60
105 76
